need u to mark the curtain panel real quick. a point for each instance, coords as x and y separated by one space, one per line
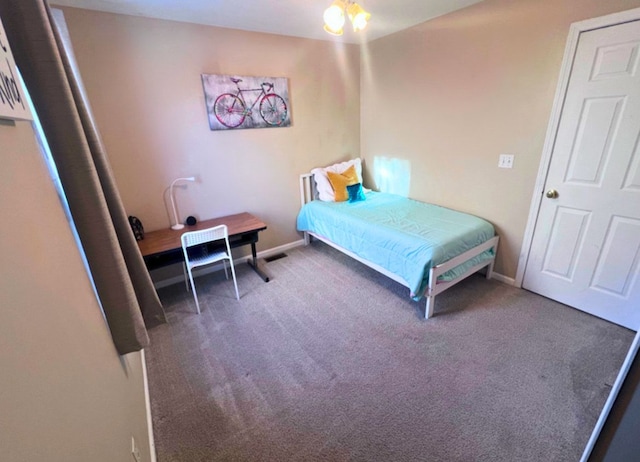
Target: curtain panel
43 52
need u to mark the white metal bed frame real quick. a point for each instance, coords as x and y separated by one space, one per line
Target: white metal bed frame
308 194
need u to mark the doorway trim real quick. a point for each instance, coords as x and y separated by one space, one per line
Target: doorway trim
575 30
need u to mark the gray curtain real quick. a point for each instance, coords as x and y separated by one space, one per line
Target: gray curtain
43 54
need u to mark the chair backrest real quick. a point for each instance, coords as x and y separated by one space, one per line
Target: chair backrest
191 238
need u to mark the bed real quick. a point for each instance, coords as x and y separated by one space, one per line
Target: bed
424 247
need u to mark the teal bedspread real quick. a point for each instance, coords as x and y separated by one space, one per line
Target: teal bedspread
404 236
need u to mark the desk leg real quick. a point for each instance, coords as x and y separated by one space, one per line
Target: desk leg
253 263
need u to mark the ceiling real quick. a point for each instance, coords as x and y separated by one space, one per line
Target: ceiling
298 18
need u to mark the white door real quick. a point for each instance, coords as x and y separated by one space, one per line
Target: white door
586 244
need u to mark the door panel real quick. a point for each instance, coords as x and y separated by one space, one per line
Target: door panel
618 261
632 180
618 60
585 250
591 149
567 237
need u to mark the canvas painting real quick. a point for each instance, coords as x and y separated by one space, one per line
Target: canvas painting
236 102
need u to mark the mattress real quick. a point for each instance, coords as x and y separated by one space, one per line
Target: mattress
404 236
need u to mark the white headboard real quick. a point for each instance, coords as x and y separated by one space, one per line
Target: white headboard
308 190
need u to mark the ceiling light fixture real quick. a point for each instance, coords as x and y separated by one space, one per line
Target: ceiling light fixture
334 16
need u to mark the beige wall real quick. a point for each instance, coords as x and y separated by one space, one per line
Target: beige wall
451 94
65 394
143 80
447 96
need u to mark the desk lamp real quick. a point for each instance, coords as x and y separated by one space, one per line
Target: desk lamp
178 225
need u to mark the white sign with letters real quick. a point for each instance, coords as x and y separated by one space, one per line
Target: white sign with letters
13 104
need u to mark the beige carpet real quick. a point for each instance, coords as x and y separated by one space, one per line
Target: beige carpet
331 361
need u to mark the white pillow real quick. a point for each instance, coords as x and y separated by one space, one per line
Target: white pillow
323 186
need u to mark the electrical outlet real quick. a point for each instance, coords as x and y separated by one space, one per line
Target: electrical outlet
506 161
135 452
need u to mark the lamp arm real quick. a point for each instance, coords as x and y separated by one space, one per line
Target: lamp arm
173 201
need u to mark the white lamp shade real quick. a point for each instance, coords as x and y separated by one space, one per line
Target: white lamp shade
358 17
334 18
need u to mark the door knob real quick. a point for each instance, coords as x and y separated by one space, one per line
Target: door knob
552 194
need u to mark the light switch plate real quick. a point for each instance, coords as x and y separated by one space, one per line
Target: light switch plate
506 161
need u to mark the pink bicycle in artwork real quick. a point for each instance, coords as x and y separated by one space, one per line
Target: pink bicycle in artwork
232 109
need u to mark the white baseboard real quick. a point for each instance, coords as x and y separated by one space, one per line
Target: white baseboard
504 279
147 404
281 248
210 269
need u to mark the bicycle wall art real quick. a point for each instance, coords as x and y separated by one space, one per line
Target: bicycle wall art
235 102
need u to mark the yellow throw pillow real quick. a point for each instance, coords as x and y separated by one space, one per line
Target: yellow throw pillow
340 181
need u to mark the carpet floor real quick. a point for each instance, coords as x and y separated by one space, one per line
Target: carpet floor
331 361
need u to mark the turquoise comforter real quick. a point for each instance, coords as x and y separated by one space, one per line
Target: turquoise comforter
404 236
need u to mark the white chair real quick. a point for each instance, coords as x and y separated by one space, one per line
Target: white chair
205 236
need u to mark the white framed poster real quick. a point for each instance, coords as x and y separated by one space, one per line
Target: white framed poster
13 103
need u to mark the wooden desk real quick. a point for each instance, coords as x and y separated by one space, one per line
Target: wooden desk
163 247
